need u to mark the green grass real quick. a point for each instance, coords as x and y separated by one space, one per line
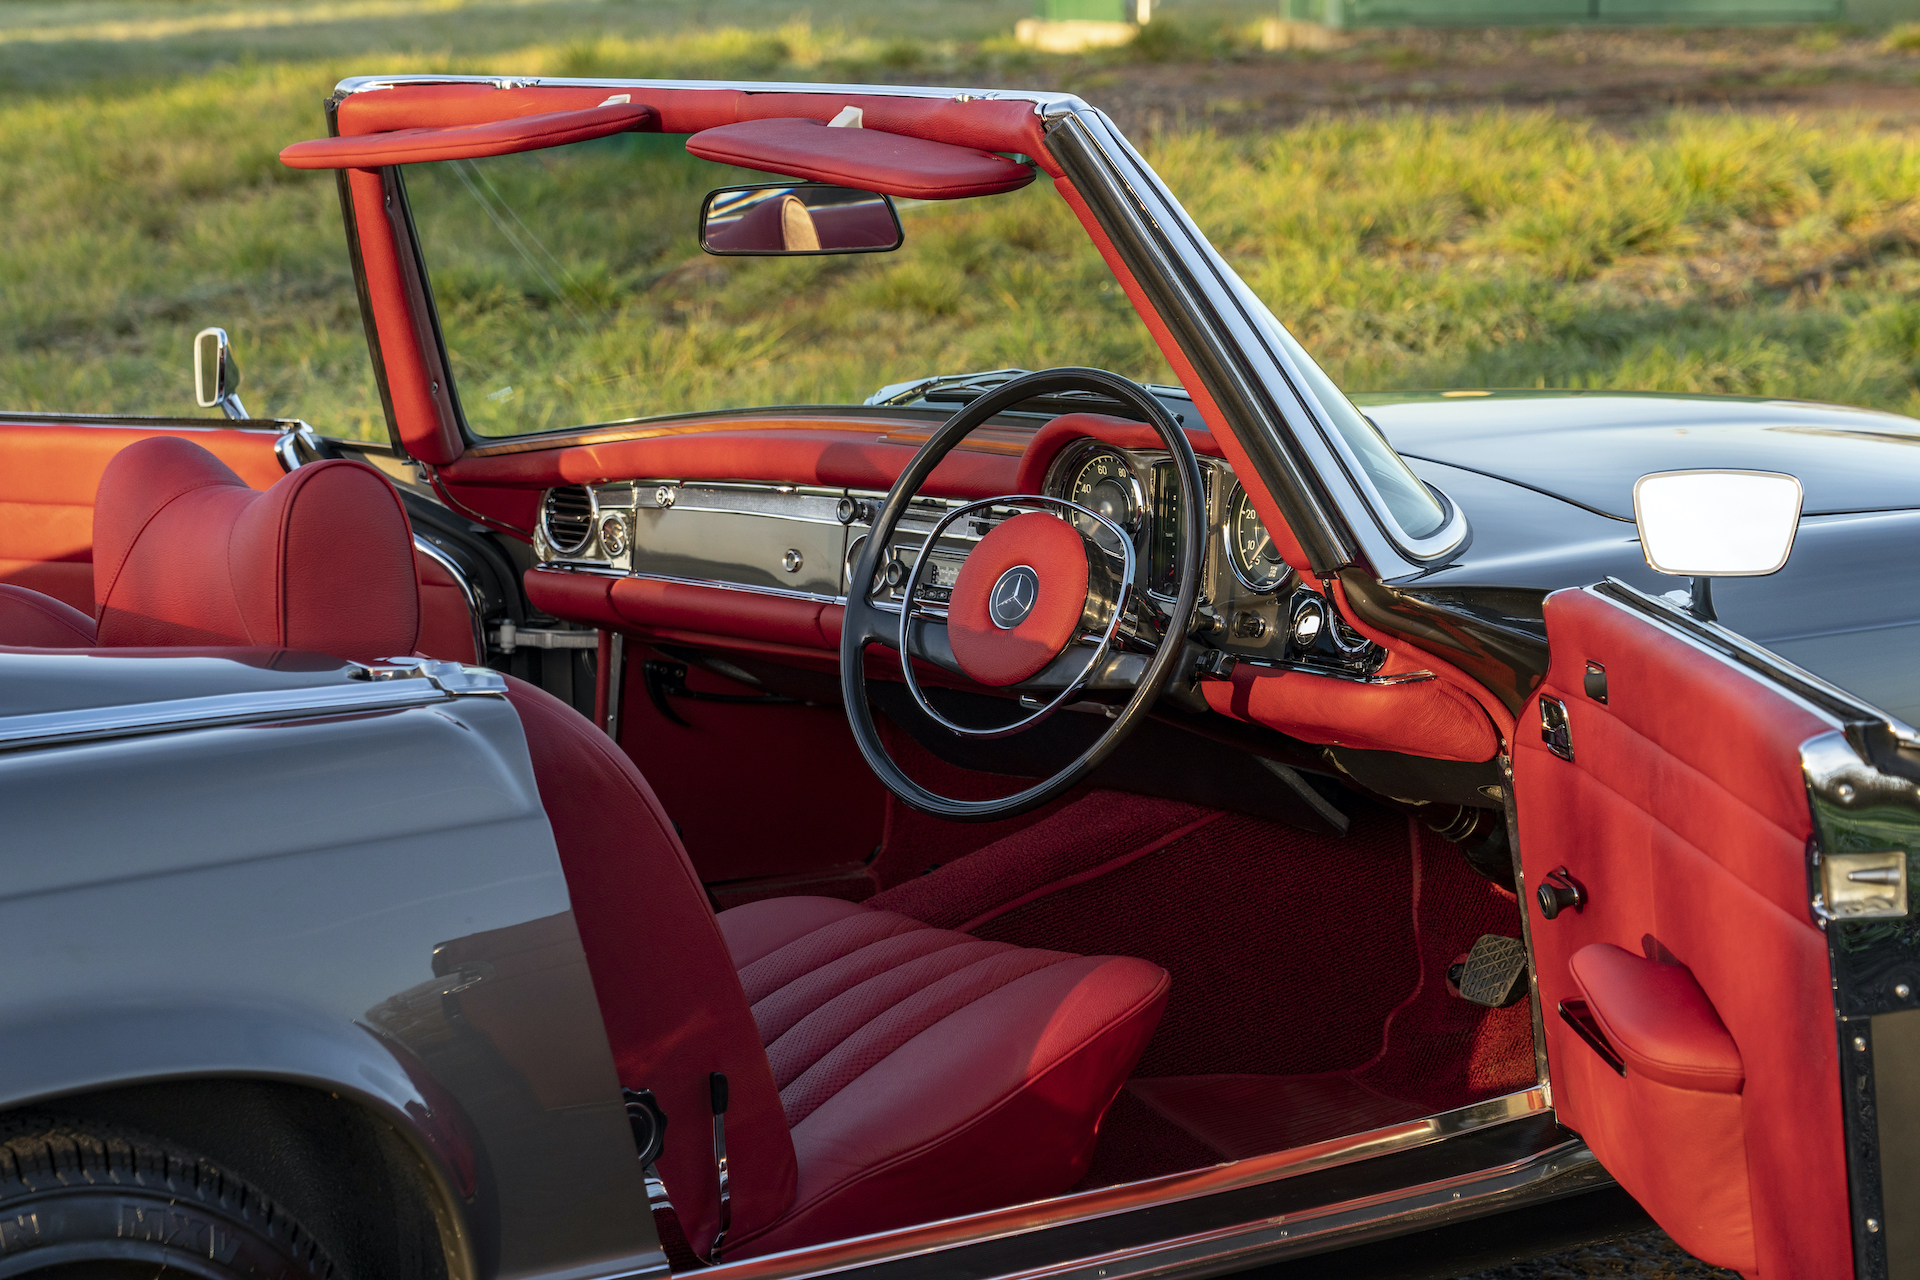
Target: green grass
143 200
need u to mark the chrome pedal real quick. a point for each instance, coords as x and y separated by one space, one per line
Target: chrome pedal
1494 974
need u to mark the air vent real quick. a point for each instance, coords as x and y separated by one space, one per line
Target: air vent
567 516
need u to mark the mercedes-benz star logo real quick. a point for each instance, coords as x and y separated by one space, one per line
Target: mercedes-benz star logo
1013 597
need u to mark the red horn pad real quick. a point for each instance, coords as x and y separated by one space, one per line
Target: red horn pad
1000 656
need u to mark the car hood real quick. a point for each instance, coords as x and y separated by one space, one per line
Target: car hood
1589 447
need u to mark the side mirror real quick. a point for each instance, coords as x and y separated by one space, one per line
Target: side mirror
1716 524
802 218
216 378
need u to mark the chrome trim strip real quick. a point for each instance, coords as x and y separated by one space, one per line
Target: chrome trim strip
57 728
603 572
459 577
259 426
843 1255
1045 104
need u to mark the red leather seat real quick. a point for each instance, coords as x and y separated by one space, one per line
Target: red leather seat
881 1072
336 525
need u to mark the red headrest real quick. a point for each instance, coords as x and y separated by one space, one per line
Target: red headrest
184 553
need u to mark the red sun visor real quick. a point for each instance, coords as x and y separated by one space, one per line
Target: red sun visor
864 159
467 141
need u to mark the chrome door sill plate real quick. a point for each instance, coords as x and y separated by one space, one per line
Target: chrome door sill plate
1269 1237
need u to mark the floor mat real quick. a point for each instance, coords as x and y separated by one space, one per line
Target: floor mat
1240 1116
1309 972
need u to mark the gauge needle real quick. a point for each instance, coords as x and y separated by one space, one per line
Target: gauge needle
1266 544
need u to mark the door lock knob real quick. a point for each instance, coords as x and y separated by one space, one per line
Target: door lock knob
1558 892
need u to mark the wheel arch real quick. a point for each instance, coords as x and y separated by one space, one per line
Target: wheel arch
342 1127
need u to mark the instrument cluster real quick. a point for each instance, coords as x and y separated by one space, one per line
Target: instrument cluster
1252 604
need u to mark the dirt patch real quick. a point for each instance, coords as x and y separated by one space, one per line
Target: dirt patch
1613 77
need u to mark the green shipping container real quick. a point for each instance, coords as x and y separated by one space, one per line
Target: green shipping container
1547 13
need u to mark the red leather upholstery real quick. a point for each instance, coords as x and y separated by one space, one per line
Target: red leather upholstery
48 474
1423 718
446 619
186 554
1658 1018
1053 549
460 142
928 1073
864 159
668 994
908 1060
33 621
1684 816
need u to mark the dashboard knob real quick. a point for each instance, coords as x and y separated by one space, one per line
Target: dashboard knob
1249 625
896 571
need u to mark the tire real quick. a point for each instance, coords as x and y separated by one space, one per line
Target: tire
88 1202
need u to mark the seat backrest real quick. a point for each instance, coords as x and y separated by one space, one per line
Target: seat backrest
185 553
671 1000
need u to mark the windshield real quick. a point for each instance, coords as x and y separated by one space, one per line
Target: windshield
572 292
1411 504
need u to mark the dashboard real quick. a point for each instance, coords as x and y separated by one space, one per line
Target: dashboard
802 543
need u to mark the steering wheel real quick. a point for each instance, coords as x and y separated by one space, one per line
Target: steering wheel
1041 607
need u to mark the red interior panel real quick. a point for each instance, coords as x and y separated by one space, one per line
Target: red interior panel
1422 718
840 452
446 620
31 620
1684 817
758 791
463 142
48 475
865 159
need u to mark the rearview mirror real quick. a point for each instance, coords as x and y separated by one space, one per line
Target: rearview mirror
216 378
797 218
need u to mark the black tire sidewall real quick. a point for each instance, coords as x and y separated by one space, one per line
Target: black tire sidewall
137 1206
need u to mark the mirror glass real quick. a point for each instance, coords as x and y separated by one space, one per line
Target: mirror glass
1719 524
214 378
798 218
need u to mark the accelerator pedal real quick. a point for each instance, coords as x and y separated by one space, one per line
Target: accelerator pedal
1494 974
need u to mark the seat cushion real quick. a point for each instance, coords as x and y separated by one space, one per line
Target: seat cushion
34 621
927 1073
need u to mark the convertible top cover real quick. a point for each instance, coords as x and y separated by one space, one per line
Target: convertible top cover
865 159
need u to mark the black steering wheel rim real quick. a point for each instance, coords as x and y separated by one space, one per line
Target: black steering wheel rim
866 623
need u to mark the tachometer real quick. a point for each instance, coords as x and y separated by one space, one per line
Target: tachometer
1250 550
1103 482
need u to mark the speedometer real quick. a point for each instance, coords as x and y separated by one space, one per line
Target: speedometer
1103 483
1250 550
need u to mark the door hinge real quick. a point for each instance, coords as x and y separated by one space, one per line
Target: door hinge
509 637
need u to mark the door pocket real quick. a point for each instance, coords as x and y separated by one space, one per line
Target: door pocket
1659 1080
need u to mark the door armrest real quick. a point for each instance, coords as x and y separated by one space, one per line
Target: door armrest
1659 1019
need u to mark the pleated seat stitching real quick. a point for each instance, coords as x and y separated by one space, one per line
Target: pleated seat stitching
779 961
789 1104
852 994
947 941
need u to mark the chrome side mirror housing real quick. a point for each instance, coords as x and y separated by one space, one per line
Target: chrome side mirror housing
216 378
789 219
1716 524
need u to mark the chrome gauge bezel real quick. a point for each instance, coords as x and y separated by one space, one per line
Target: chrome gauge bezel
1072 461
1232 552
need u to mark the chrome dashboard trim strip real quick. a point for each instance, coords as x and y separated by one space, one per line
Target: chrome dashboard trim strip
601 571
58 728
844 1255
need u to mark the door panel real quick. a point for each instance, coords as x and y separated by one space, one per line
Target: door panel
48 474
1683 816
